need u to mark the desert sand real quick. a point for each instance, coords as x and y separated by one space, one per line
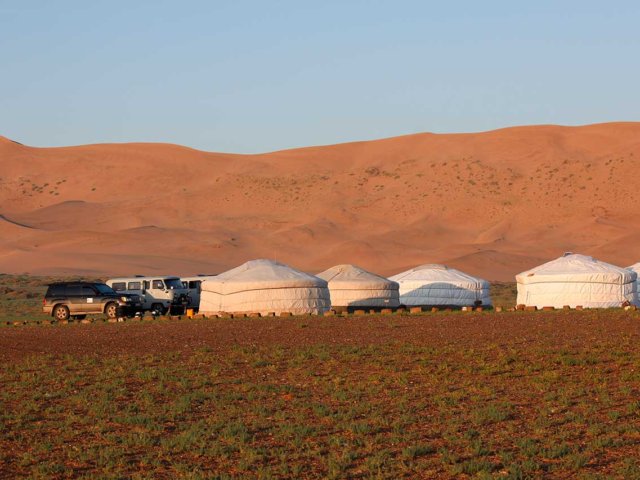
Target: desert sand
491 204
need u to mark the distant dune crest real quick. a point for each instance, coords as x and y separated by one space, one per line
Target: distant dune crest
492 204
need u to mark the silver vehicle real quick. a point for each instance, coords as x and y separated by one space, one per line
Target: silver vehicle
193 286
159 294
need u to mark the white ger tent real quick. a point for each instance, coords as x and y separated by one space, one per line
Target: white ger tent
352 286
574 280
264 286
636 268
440 285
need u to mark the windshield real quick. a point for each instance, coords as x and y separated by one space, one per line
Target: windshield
102 288
173 283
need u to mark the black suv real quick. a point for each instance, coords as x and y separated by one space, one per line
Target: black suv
77 299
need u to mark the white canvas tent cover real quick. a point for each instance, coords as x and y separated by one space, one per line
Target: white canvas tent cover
352 286
264 286
574 280
433 284
636 268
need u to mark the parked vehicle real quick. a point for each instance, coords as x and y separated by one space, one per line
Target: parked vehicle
161 294
193 286
77 299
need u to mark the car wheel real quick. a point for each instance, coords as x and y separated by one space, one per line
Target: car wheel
157 307
61 312
111 310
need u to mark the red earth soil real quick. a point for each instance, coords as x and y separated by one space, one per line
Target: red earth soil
566 329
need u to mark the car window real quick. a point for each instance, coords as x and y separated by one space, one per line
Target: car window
146 284
135 285
73 290
173 283
56 291
88 291
119 286
158 284
104 289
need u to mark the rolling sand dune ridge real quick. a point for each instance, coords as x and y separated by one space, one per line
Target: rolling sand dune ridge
492 204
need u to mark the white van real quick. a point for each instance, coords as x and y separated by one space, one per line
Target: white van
192 284
161 294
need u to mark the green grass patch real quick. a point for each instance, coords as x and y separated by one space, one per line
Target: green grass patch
321 412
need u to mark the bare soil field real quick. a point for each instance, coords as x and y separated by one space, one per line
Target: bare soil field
435 395
462 329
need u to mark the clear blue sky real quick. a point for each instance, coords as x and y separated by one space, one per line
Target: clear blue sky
253 76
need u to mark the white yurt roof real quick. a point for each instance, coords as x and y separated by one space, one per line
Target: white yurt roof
261 274
434 284
352 286
573 267
265 286
574 280
352 277
635 267
431 273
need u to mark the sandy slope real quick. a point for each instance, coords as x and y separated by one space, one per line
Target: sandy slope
491 203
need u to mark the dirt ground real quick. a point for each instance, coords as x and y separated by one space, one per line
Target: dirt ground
467 330
508 395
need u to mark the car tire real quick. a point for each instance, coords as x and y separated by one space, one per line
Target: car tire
61 312
111 310
158 307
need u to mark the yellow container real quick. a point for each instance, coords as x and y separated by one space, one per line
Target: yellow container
189 312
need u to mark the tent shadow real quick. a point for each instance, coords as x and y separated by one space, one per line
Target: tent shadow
375 304
445 295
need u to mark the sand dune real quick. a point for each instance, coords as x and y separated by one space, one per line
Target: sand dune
491 203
